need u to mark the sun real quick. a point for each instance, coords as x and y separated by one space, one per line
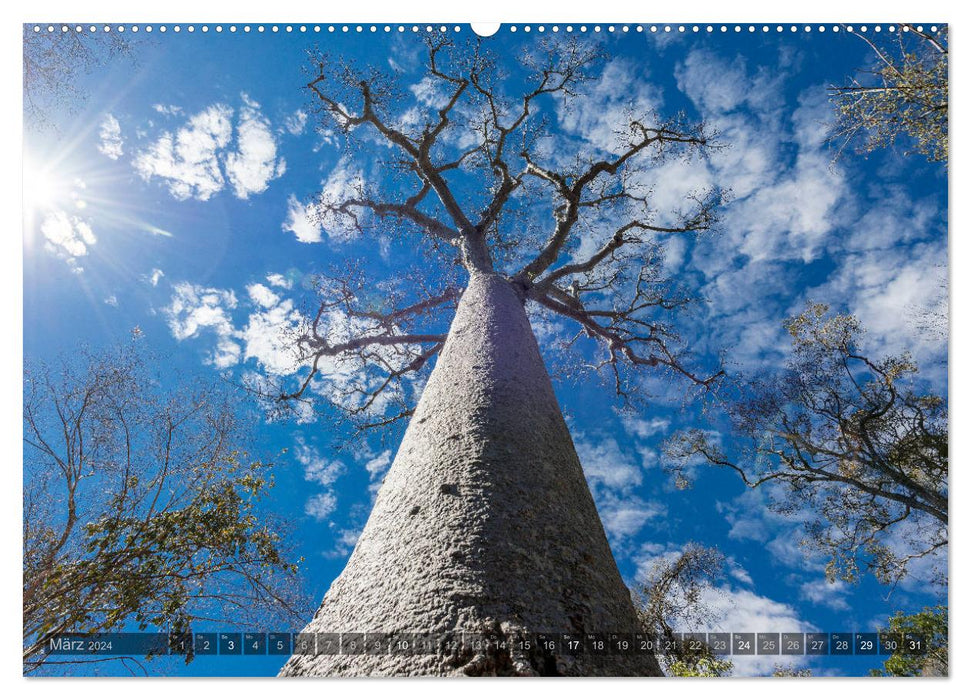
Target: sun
52 199
43 188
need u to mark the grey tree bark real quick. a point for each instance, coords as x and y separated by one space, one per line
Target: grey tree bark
484 523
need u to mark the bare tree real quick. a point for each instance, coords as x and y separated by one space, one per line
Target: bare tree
54 62
509 214
852 438
471 173
140 509
904 95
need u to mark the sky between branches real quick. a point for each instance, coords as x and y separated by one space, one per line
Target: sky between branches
180 207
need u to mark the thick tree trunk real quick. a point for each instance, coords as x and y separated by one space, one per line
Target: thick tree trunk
484 523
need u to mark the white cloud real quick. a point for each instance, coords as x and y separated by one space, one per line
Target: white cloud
266 335
429 91
884 288
738 572
269 336
197 160
315 468
308 222
344 543
167 110
156 231
254 163
378 465
898 219
606 464
751 159
112 144
719 87
789 210
66 236
608 103
644 428
321 506
296 122
646 434
782 534
746 306
613 473
792 218
262 295
746 611
668 187
195 308
156 275
740 610
278 280
325 137
343 182
302 221
924 574
825 593
111 300
188 160
625 516
712 84
653 555
728 608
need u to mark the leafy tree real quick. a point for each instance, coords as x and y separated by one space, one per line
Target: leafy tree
701 666
929 623
853 439
781 671
904 95
671 597
139 507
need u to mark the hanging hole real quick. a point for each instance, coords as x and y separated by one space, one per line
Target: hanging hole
485 28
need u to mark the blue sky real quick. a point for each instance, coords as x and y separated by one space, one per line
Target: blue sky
176 202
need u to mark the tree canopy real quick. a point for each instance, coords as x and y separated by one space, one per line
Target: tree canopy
671 597
140 508
484 186
930 626
903 96
851 438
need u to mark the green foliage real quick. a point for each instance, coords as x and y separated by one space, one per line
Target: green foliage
853 441
139 508
702 667
931 623
672 596
781 671
905 95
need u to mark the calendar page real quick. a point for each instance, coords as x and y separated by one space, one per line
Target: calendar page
467 350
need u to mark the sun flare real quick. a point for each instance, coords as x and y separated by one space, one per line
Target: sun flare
43 189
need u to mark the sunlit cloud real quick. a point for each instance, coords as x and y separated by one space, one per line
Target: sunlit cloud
321 506
67 236
112 144
254 163
296 123
198 160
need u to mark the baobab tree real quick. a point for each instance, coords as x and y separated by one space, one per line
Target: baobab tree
484 523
